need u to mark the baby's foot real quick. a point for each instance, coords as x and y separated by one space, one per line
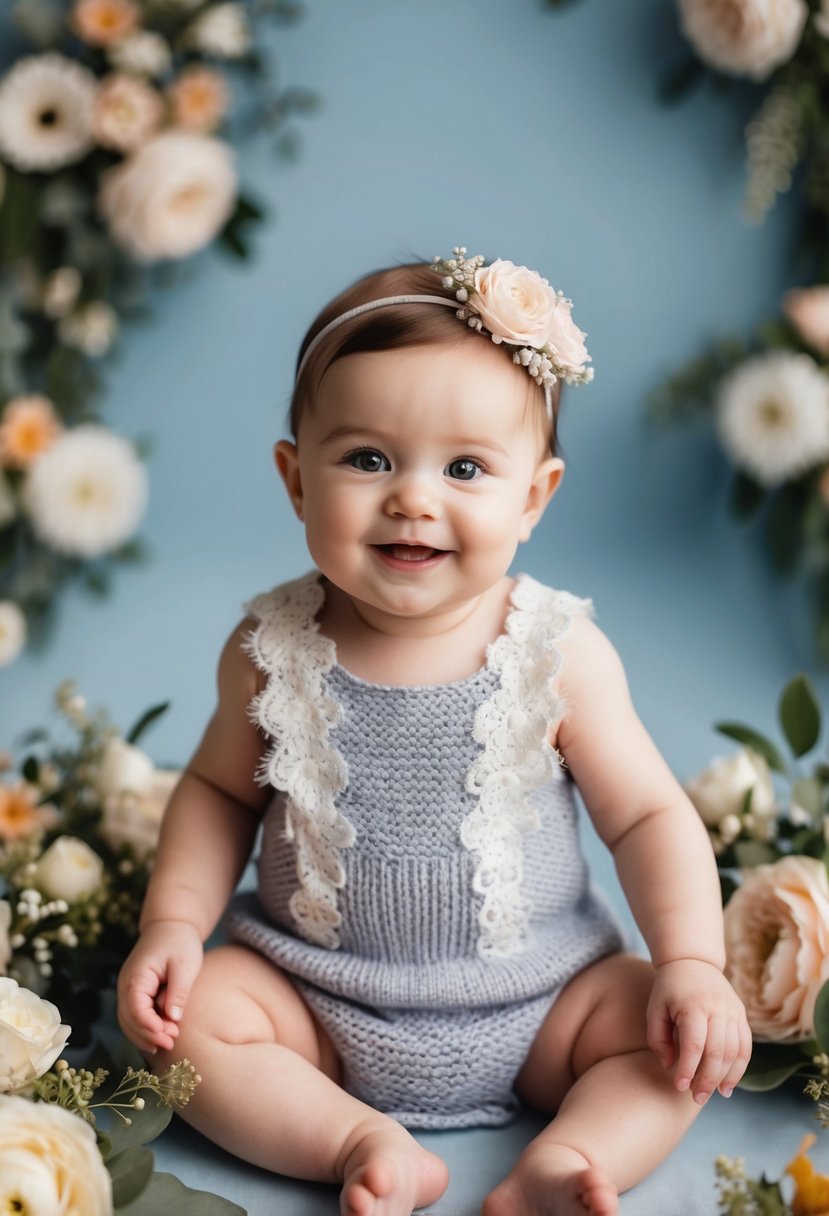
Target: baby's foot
553 1180
389 1174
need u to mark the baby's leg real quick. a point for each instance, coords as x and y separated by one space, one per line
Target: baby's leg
270 1091
619 1114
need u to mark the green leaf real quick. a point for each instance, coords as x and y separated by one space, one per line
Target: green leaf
167 1194
752 738
727 888
130 1172
146 720
771 1064
800 715
822 1018
754 853
31 769
686 72
808 793
146 1125
747 496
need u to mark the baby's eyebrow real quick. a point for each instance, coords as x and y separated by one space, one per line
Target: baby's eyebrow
459 442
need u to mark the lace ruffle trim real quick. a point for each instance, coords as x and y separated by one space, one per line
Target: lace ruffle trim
512 728
297 713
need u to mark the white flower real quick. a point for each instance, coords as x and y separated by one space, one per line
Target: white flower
744 37
5 944
773 416
123 767
143 52
61 290
719 791
135 818
31 1038
50 1164
92 329
128 110
46 106
68 870
170 198
12 632
221 31
86 494
8 502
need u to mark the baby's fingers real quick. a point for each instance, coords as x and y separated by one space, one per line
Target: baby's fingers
713 1063
692 1032
743 1054
661 1036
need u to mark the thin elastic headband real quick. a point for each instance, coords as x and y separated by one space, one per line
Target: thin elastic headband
360 309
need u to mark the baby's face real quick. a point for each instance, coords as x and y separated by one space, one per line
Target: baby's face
418 472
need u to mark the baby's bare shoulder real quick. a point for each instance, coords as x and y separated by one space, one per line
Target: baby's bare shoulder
590 680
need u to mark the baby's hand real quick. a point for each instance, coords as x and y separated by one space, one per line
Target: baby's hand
155 983
697 1021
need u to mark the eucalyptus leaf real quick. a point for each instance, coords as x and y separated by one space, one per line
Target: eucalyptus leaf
771 1064
762 1082
808 793
146 1125
166 1194
753 739
130 1171
800 715
146 720
822 1018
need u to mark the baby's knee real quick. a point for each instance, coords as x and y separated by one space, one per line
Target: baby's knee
618 1022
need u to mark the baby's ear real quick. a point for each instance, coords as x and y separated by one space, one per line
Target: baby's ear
286 457
544 484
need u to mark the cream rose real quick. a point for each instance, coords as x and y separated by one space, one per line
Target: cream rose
744 37
49 1162
31 1036
135 818
777 945
5 944
808 310
69 869
720 790
171 198
123 767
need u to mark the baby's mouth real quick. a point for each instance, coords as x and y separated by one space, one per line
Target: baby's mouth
410 553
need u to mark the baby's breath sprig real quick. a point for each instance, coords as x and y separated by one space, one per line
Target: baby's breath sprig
74 1089
739 1195
818 1089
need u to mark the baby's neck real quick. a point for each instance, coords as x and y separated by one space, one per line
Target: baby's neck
430 650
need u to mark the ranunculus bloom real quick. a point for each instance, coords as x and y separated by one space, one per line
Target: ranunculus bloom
127 112
20 814
199 98
720 789
31 1038
28 426
68 870
135 818
808 310
123 767
744 37
103 22
172 197
777 945
50 1164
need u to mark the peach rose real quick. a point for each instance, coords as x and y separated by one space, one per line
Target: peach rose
171 197
199 99
777 945
744 37
127 112
808 310
103 22
28 426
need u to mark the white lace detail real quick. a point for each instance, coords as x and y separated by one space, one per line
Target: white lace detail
512 728
297 713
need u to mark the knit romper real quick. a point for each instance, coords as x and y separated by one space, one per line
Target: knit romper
420 876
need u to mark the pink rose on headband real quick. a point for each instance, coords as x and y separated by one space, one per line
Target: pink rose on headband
808 310
522 309
777 945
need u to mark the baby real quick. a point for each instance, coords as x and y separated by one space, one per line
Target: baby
424 949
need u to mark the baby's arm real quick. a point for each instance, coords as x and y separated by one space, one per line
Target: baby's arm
665 864
207 835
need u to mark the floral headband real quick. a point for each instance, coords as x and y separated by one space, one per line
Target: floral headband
512 304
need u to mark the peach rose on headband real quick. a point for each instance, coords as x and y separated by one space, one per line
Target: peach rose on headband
744 37
522 309
777 945
808 310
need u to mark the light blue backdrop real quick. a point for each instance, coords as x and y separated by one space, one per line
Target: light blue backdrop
523 134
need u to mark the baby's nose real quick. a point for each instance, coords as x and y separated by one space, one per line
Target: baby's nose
413 497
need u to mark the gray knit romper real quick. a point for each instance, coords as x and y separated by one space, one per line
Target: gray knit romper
420 876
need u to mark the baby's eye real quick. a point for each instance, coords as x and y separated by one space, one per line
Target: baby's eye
368 461
463 469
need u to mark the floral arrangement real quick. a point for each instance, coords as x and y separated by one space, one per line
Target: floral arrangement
768 820
768 392
741 1195
116 164
54 1156
79 823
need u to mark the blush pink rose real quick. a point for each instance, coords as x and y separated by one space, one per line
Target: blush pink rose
808 310
744 37
522 309
777 946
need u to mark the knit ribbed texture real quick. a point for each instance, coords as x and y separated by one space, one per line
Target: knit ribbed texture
408 994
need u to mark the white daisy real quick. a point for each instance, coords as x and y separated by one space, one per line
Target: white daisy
143 52
221 31
46 112
773 416
86 494
12 632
